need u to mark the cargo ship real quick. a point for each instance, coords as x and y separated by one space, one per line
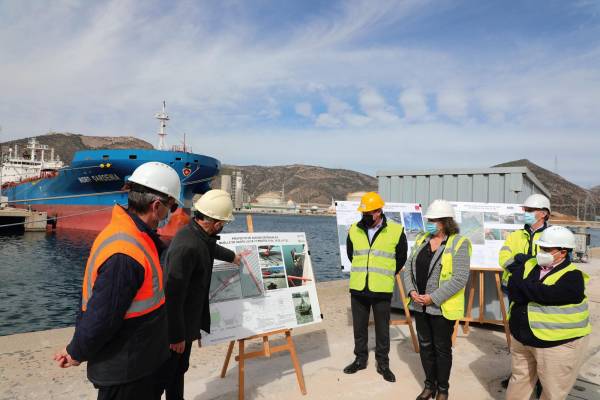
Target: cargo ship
81 195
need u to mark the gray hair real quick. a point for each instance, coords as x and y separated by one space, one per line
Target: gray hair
139 202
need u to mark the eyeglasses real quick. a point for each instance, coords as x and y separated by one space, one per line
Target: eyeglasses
165 203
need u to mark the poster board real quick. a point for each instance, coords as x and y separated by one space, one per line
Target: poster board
487 225
273 289
410 215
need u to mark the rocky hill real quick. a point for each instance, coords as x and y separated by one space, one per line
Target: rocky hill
66 144
304 183
565 195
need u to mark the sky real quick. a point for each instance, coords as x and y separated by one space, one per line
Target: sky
362 85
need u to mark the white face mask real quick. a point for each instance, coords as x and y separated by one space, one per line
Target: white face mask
544 259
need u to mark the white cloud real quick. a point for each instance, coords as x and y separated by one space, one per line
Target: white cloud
304 109
414 104
375 106
452 103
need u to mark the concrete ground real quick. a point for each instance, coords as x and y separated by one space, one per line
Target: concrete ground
481 361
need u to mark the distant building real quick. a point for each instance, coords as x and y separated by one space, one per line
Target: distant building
488 185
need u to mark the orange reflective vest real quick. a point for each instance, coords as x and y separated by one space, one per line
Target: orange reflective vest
122 236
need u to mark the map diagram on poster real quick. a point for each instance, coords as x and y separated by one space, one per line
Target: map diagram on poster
487 225
274 288
408 214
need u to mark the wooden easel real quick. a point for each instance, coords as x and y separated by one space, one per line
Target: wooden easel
266 351
480 273
408 319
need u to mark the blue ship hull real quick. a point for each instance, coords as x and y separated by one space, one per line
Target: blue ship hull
80 196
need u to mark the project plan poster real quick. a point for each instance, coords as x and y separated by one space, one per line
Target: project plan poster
273 289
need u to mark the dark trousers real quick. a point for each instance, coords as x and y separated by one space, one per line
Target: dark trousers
146 388
435 340
173 371
361 307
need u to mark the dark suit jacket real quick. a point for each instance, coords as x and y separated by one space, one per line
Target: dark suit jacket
188 270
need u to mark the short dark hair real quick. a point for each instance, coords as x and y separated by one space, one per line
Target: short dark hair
202 217
450 226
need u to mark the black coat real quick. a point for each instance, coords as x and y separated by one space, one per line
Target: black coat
188 270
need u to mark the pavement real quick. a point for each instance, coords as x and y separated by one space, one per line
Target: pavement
481 361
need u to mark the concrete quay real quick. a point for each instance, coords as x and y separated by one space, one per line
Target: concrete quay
481 361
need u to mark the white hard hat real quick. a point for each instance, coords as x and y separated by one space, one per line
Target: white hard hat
216 204
439 209
557 236
159 177
538 201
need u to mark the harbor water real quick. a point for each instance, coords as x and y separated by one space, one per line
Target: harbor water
41 273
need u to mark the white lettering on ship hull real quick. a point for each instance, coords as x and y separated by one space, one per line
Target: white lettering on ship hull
99 178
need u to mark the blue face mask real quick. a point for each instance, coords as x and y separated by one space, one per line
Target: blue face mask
163 222
529 218
431 227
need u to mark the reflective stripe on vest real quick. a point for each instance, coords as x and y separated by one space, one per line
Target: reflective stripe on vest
454 307
377 260
519 240
552 322
121 236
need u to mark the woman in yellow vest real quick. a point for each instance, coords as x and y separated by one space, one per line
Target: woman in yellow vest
435 277
548 319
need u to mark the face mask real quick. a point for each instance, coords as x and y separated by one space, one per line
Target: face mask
530 218
544 259
163 222
431 227
367 220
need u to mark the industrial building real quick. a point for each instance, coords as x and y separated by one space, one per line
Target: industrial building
489 185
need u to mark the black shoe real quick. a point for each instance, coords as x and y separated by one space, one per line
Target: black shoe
504 382
442 395
426 394
387 374
354 367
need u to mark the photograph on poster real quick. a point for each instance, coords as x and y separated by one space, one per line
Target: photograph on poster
293 257
413 224
270 256
274 278
251 276
471 226
394 216
225 285
302 307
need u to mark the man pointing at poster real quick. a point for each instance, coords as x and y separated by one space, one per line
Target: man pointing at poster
188 266
377 249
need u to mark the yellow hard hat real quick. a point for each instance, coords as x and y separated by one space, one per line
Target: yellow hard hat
370 201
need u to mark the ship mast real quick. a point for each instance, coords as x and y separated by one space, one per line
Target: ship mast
163 118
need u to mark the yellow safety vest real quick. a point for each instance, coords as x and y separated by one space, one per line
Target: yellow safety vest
454 307
554 323
517 242
377 260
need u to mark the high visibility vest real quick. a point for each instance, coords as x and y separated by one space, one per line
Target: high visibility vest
551 322
516 242
454 307
377 260
122 236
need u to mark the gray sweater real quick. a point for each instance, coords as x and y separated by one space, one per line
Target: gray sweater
439 294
